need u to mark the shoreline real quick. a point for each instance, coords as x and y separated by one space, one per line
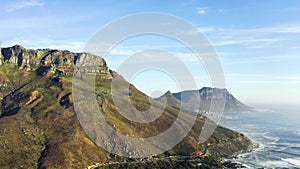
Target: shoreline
229 163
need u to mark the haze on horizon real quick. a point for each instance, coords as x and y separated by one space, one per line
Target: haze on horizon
256 41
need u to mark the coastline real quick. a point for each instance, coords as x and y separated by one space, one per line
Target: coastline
229 163
276 136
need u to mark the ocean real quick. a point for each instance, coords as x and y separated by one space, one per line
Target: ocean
276 132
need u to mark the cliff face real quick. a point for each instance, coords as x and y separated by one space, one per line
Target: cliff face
206 95
54 60
18 61
231 103
39 127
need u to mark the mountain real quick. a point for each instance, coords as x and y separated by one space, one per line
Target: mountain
40 129
204 95
172 101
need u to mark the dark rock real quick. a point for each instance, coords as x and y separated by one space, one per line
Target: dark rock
232 165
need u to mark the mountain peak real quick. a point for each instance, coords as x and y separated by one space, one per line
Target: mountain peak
213 89
206 95
16 46
168 93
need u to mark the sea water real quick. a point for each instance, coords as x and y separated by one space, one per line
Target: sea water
276 132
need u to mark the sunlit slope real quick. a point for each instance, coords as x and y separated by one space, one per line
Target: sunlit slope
39 127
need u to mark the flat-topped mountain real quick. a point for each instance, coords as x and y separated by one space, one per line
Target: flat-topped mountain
44 62
54 60
204 95
39 127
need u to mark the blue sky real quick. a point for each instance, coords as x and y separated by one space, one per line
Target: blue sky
257 41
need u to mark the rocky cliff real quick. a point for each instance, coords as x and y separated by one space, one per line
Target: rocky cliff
44 62
39 127
205 94
52 60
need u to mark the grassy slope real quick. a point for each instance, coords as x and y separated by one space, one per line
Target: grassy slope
39 129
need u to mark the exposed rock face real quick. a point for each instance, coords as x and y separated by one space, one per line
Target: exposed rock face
52 60
39 126
206 94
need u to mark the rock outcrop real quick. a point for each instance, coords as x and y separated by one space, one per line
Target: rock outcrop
44 60
39 126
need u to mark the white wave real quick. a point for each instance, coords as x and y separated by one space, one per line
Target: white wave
289 145
261 110
274 163
254 161
259 133
274 139
297 132
229 118
293 161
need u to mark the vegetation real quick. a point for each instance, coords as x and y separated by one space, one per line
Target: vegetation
39 127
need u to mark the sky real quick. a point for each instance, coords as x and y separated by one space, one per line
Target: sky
256 41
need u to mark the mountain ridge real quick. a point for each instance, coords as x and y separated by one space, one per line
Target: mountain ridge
39 126
205 95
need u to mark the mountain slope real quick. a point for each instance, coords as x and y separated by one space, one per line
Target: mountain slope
206 94
172 101
39 127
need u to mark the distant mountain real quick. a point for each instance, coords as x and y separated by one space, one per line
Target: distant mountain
39 127
172 101
205 96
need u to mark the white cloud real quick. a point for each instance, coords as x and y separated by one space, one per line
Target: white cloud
239 75
284 28
185 56
260 59
230 33
262 78
202 11
206 29
199 30
259 37
74 46
25 4
123 51
245 41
